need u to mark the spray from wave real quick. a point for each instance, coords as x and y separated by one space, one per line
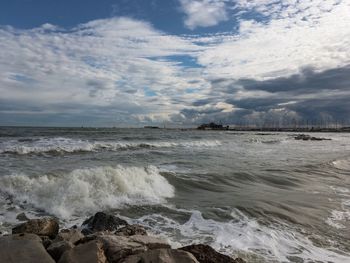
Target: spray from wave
243 236
87 190
68 145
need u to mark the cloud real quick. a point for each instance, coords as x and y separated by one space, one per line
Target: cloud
285 59
95 65
308 97
291 35
203 13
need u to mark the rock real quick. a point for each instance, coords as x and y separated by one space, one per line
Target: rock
90 252
162 256
22 217
120 247
206 254
306 137
58 248
70 235
46 241
23 248
25 236
131 230
42 227
102 222
150 242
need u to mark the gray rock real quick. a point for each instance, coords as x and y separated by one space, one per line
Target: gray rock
70 235
102 222
23 248
57 249
90 252
22 217
306 137
131 230
206 254
120 247
162 256
42 227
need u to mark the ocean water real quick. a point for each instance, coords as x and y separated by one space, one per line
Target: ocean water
262 196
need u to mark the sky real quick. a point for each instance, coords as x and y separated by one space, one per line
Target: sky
130 63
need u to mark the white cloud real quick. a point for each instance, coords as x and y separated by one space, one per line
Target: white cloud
99 64
203 13
294 35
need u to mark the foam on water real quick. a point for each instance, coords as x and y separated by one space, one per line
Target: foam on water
69 145
342 164
340 218
87 190
245 237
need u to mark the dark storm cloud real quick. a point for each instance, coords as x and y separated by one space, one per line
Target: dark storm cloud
309 95
307 81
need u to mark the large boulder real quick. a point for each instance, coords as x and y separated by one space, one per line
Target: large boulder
131 230
23 248
206 254
102 222
57 249
42 227
91 252
162 256
118 248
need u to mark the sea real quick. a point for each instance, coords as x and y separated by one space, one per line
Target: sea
264 197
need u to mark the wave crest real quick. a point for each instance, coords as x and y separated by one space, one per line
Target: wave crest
68 145
87 190
342 164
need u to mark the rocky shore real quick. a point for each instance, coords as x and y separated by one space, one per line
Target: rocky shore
102 238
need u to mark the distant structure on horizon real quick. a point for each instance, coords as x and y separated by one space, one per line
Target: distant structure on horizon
294 128
212 126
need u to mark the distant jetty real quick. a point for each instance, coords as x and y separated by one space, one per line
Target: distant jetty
212 126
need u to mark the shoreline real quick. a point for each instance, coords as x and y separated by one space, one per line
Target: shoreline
102 238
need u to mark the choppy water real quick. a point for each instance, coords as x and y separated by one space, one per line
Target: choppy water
264 197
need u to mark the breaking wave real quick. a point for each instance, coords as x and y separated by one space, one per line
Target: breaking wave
243 236
87 190
68 145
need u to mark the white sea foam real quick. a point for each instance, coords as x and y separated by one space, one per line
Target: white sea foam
244 236
339 218
69 145
343 164
88 190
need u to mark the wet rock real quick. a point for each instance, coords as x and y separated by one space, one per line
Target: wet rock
42 227
131 230
57 249
91 252
206 254
306 137
162 256
22 217
70 235
23 248
120 247
46 241
102 222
